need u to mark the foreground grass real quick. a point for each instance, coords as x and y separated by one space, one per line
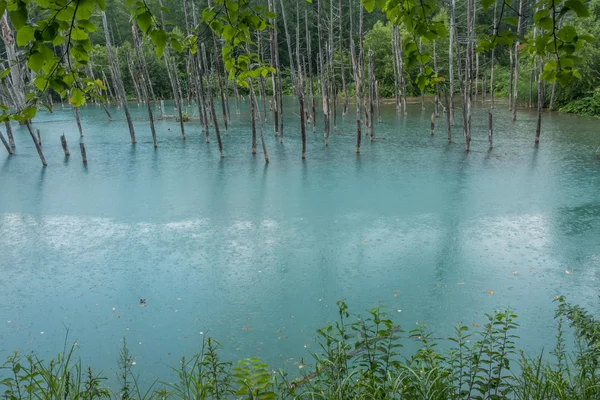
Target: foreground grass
359 359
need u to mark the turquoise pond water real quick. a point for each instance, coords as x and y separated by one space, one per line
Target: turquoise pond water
257 256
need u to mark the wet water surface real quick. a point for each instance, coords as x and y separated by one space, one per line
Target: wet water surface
256 256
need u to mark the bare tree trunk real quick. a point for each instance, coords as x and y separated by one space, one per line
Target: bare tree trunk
255 106
63 142
342 64
517 45
451 59
143 83
16 86
492 95
490 131
511 79
540 105
310 73
421 71
552 97
252 121
396 68
9 133
78 120
332 86
324 96
372 94
447 112
138 93
358 79
83 153
212 105
6 145
117 79
220 81
273 45
378 102
37 144
437 84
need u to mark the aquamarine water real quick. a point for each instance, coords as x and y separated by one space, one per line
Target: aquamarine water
256 256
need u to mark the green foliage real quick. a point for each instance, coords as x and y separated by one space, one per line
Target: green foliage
360 358
587 106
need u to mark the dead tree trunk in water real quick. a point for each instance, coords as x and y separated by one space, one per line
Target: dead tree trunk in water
252 121
143 84
273 45
517 45
324 97
510 80
255 106
490 131
437 84
421 71
342 65
332 86
37 145
357 92
134 80
540 105
447 112
212 105
220 81
117 79
6 145
78 120
372 94
83 153
9 133
493 57
63 142
310 73
451 59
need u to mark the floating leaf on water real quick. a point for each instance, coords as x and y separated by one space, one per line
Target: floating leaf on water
114 309
475 325
399 310
568 272
41 333
133 363
246 328
515 273
489 291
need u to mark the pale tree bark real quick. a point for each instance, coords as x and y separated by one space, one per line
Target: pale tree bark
451 59
117 79
143 83
437 84
310 73
517 45
358 79
540 105
492 89
342 64
211 105
255 103
511 72
6 145
273 45
324 97
371 94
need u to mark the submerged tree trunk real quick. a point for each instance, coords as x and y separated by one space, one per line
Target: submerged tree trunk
372 94
510 80
342 65
490 131
143 83
6 145
220 81
9 133
38 147
451 59
211 105
78 120
117 79
540 105
517 45
255 107
310 73
358 79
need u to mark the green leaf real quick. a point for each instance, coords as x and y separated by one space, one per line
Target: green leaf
567 33
2 7
25 35
77 99
579 7
511 21
369 5
487 4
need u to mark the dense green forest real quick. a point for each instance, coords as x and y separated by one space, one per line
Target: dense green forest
337 18
537 55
